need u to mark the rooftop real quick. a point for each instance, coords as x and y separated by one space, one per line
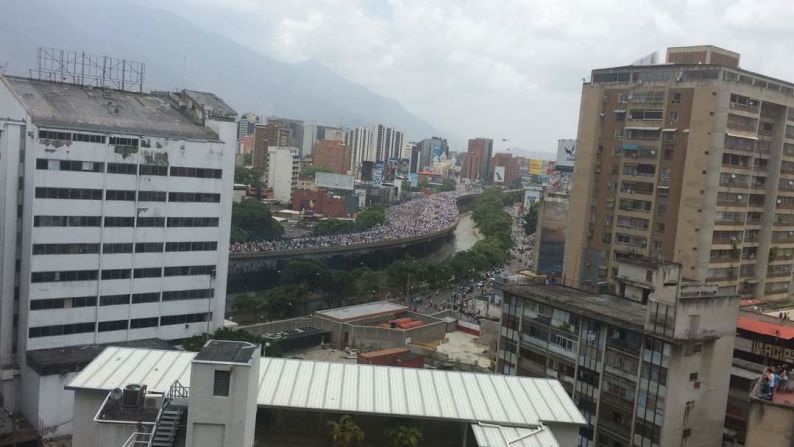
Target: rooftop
76 107
612 309
648 262
74 358
353 388
502 436
222 351
210 101
374 309
765 325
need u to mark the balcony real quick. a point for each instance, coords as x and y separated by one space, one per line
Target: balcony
775 272
744 107
735 182
636 188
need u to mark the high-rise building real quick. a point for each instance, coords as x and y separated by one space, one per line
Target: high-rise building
333 155
477 165
690 161
430 150
650 367
295 130
312 132
247 125
115 227
387 143
283 170
504 168
266 136
359 143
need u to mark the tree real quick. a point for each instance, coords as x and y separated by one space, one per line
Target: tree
286 301
247 176
313 169
252 221
370 217
531 219
248 305
333 226
345 432
248 159
403 434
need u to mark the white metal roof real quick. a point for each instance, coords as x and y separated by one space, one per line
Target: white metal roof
501 436
303 384
362 310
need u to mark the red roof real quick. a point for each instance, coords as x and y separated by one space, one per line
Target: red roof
748 303
762 327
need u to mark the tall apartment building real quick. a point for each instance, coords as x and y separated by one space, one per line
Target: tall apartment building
430 150
313 132
295 130
387 143
359 142
266 136
115 227
246 125
477 164
690 161
650 367
510 167
283 171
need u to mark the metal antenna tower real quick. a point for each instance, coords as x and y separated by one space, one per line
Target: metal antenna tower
81 68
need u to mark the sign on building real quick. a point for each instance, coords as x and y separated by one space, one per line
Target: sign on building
499 174
334 181
377 175
566 154
535 167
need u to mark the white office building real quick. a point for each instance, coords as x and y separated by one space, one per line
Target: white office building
387 143
115 217
359 142
283 171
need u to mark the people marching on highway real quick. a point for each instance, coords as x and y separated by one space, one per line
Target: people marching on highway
412 218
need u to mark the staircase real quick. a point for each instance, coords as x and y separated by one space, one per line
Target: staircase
166 426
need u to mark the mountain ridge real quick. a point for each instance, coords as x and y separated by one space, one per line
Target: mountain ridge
178 54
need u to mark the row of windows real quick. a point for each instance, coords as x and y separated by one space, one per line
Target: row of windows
115 325
147 272
119 221
125 195
111 300
125 168
69 136
65 249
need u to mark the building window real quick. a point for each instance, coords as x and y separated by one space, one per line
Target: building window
61 303
177 171
116 274
193 294
153 170
151 196
150 272
119 141
149 297
194 197
672 117
119 221
189 270
221 383
66 221
114 300
192 221
109 249
116 325
649 275
693 376
114 194
137 323
65 249
122 168
68 165
150 222
88 138
69 275
149 247
676 98
60 329
69 193
191 246
167 320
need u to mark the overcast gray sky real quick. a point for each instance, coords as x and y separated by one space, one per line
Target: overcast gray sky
495 68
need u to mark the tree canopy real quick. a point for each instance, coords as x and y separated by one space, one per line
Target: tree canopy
247 176
252 221
530 222
313 169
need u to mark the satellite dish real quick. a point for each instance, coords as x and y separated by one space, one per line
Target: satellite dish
116 394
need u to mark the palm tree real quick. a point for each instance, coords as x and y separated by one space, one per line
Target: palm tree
345 432
404 434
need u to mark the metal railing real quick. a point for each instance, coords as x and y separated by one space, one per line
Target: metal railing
178 391
138 439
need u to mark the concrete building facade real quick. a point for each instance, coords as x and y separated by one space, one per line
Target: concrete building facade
690 161
648 368
116 219
387 143
283 172
477 164
359 143
510 167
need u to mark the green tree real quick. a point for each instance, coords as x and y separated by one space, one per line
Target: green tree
531 219
311 170
403 434
333 226
345 432
249 305
248 159
252 221
305 271
370 217
247 176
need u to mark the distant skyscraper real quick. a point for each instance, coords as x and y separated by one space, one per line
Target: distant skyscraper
359 143
430 150
246 126
312 132
332 155
477 164
295 128
387 142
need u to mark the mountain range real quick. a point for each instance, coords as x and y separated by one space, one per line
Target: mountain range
178 54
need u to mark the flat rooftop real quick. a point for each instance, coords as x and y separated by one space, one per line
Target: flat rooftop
74 358
356 389
609 308
77 107
222 351
358 311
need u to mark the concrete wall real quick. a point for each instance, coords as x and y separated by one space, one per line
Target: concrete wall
276 326
86 432
770 425
46 404
489 333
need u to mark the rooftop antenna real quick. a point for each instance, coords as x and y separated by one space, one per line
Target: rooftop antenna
81 68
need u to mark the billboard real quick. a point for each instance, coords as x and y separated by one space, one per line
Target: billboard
535 167
437 151
334 181
413 179
499 174
531 196
377 175
550 239
566 154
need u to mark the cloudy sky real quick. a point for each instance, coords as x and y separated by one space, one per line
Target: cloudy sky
497 68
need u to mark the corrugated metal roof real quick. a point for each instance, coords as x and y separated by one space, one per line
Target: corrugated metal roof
303 384
363 310
501 436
